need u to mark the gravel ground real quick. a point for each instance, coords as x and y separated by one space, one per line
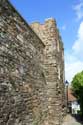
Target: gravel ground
70 120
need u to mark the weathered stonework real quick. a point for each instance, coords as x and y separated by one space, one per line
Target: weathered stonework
21 77
31 71
53 69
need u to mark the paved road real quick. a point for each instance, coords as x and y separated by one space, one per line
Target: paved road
69 120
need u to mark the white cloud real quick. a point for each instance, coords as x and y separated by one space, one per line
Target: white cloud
74 59
79 10
72 66
78 44
63 27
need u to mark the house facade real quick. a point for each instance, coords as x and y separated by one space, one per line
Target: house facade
73 103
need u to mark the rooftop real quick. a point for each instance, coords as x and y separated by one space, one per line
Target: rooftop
71 96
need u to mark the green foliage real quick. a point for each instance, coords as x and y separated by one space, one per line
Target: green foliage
77 85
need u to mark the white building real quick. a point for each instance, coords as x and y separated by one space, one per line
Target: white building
73 104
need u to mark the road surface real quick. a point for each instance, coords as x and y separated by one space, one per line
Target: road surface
70 120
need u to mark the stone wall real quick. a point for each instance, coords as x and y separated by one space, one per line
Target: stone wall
31 71
22 79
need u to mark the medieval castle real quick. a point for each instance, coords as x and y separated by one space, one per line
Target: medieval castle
31 71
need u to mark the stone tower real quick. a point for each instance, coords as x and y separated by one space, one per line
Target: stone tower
53 69
31 71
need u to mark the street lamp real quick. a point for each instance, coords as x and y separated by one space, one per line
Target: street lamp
67 83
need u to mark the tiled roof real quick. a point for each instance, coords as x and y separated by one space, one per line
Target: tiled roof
71 96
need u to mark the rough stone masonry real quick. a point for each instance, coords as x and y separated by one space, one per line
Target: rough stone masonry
31 71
